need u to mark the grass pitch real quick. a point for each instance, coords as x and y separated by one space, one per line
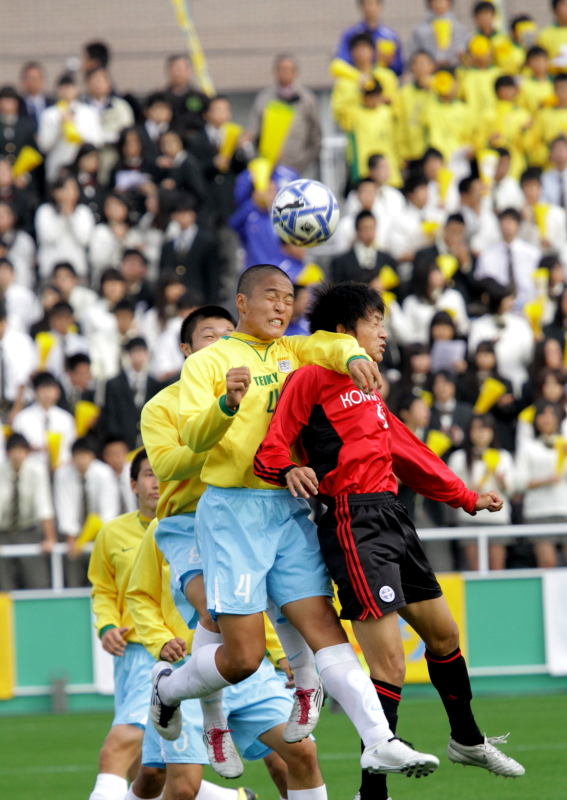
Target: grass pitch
55 757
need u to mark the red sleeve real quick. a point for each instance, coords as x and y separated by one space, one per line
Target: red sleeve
299 395
424 472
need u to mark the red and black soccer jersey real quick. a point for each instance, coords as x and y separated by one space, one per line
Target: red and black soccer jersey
352 442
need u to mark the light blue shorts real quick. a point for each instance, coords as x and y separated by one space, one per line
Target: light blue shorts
132 686
252 707
256 544
175 537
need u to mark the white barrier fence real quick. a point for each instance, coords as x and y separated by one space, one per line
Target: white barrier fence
482 534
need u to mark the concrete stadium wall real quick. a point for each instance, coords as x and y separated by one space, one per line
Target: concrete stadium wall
239 38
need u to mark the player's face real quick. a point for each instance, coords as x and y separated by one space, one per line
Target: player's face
209 331
147 488
371 335
267 312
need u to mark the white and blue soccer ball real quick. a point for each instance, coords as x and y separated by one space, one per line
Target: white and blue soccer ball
305 213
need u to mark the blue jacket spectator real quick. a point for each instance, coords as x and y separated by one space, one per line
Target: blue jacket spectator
371 12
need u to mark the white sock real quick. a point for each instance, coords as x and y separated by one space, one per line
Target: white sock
131 796
210 791
298 653
109 787
346 681
319 793
199 677
202 636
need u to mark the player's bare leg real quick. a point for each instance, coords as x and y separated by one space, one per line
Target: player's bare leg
304 779
120 751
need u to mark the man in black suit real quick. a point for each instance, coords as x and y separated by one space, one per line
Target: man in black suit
193 253
34 100
16 131
453 244
127 393
363 261
185 99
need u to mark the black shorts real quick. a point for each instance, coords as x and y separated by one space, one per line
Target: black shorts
374 555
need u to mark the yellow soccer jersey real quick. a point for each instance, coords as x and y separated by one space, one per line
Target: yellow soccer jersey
476 88
550 123
552 38
149 599
115 550
448 126
371 130
232 437
408 107
176 467
506 125
347 94
533 94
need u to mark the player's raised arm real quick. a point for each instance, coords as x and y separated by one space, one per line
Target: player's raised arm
207 387
273 462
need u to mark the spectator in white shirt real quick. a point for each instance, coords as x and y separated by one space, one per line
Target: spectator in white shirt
166 358
554 181
543 224
22 305
542 475
44 417
363 198
64 277
19 245
511 334
481 223
18 360
83 487
98 317
482 471
113 236
68 342
431 294
511 261
415 226
64 228
26 517
115 454
448 201
114 113
506 192
106 347
65 126
387 202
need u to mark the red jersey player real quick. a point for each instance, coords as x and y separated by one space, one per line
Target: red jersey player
352 449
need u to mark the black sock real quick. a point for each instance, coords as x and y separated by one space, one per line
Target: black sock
373 787
450 677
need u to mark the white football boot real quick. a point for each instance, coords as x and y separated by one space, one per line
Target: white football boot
304 716
222 753
167 720
485 756
395 756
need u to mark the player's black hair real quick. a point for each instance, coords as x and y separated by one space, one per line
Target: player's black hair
360 38
513 213
457 217
530 174
136 464
413 182
431 152
60 309
83 445
190 322
535 51
483 5
252 276
72 362
114 438
16 440
66 265
504 82
362 215
374 160
44 379
561 77
342 304
98 51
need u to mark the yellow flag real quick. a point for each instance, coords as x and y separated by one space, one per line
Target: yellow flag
28 159
44 341
7 430
386 50
429 228
338 68
71 133
310 274
448 265
438 442
388 298
427 397
534 311
194 47
93 524
230 134
261 171
53 446
527 415
443 30
444 178
540 217
7 650
277 120
86 414
479 46
560 445
443 83
491 458
490 391
388 278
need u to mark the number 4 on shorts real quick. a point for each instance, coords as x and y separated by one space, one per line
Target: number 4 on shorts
243 588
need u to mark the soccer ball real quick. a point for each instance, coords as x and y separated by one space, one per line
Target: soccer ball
305 213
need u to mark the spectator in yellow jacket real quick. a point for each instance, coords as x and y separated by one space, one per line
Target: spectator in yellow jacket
448 121
536 88
351 80
409 105
370 126
502 47
550 123
476 82
553 38
505 125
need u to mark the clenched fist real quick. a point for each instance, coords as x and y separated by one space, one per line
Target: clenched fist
237 383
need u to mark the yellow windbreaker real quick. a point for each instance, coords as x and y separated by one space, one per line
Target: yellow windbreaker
115 549
552 38
372 130
176 466
550 123
476 88
506 125
408 107
448 125
232 437
534 94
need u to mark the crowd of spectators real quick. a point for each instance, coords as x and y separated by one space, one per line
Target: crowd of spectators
121 214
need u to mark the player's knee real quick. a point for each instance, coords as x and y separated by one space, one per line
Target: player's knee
396 669
444 642
244 668
182 788
149 782
303 759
